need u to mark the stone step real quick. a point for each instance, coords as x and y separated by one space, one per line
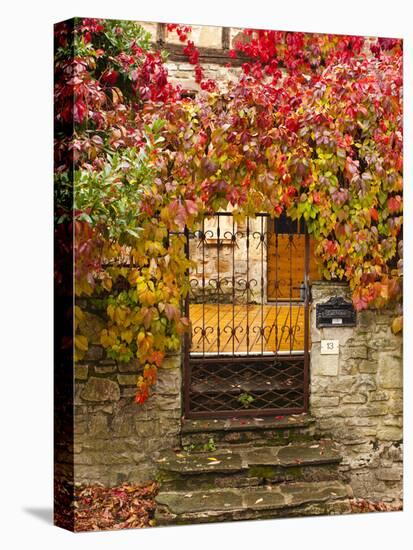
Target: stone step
248 466
229 504
279 430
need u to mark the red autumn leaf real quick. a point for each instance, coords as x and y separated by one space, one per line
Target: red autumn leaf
109 77
330 247
142 395
156 357
374 214
394 204
79 111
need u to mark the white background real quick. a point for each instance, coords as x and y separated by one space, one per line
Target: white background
26 273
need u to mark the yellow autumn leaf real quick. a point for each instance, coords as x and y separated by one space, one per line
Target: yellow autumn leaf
79 316
83 287
397 324
81 342
78 355
107 338
107 283
111 311
122 316
127 335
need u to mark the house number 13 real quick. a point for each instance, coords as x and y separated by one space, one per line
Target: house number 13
329 347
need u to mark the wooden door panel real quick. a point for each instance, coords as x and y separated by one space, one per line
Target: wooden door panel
285 266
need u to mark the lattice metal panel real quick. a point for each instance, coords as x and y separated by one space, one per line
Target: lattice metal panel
226 387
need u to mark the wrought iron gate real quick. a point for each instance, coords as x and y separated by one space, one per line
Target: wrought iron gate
247 353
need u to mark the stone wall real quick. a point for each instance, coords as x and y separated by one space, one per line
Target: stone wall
356 397
116 439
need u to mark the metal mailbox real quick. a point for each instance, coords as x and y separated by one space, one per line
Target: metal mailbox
336 312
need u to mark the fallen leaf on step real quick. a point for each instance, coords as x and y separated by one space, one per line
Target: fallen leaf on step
259 500
212 458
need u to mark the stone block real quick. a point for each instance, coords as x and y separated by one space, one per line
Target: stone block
373 409
323 365
354 398
384 344
361 422
390 371
172 362
98 426
367 366
100 389
127 379
343 384
169 382
394 421
395 406
378 396
325 401
389 474
94 353
355 352
105 369
390 433
132 366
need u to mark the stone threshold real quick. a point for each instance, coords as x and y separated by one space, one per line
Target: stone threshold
230 461
289 499
190 426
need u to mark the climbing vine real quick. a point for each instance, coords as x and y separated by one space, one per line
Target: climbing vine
312 127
